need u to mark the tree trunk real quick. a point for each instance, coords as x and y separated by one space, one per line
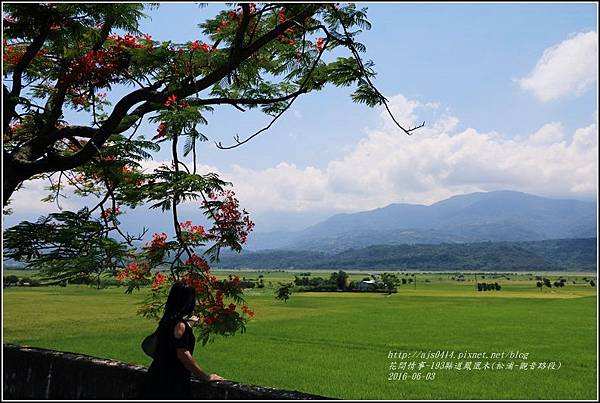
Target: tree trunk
12 177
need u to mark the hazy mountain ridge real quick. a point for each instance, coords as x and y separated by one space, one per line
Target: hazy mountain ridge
474 217
548 255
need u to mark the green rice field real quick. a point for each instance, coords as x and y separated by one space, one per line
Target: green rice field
338 344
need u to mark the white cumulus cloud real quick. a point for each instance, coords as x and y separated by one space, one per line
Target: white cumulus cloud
570 67
436 162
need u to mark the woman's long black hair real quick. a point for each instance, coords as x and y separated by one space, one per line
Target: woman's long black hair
180 303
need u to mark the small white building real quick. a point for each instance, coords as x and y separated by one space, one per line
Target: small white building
366 285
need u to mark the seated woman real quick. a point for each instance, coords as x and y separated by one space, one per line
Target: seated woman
169 375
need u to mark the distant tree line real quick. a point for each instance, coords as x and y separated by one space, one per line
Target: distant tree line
488 287
15 281
338 281
562 254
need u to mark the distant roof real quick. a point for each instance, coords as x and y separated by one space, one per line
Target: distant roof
368 281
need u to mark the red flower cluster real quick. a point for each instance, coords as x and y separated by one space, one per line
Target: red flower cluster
219 298
80 100
197 45
158 241
192 232
230 221
224 24
11 54
130 41
281 16
99 67
285 38
162 130
198 262
198 283
233 15
13 127
319 44
109 212
133 271
247 311
171 100
159 280
96 67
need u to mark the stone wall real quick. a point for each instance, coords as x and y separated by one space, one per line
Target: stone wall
36 373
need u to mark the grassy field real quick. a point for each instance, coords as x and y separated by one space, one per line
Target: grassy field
337 344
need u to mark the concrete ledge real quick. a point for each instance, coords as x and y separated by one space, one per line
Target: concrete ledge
37 373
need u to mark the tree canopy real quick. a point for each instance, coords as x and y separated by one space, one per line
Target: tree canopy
66 56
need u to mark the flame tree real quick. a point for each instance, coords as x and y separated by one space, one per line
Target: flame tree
69 56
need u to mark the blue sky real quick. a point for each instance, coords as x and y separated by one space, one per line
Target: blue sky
461 55
499 115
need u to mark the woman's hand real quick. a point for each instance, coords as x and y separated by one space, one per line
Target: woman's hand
215 377
193 320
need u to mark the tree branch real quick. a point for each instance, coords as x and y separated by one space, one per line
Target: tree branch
29 161
350 44
293 98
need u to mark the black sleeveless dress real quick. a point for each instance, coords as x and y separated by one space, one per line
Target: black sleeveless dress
167 378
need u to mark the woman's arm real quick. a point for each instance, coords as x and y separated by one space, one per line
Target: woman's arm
191 365
188 360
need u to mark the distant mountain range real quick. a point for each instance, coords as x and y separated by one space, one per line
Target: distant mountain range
549 255
475 217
